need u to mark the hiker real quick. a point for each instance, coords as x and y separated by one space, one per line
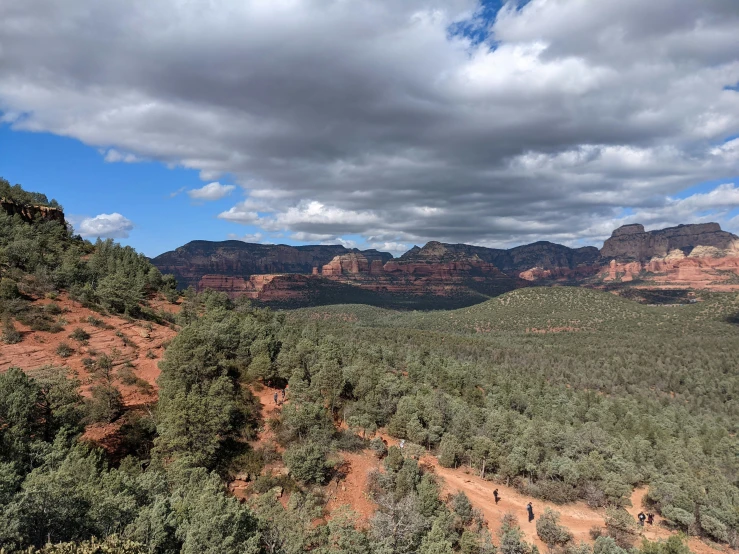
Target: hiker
641 517
402 443
530 510
650 518
495 495
283 395
275 398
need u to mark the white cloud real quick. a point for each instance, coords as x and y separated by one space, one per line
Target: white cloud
240 213
395 248
113 226
114 156
252 237
211 191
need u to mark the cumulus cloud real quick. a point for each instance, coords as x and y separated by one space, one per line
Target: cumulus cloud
377 118
250 237
105 226
112 156
211 191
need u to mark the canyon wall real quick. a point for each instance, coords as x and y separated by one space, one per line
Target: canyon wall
633 243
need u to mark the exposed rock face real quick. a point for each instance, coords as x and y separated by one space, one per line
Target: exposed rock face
704 268
267 288
233 258
348 264
633 243
31 213
435 270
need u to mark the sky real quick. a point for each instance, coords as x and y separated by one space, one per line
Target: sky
372 123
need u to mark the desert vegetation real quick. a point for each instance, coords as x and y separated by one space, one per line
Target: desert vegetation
565 394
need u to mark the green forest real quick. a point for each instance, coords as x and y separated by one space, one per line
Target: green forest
566 394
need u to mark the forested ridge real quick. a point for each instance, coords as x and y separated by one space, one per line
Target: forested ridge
566 394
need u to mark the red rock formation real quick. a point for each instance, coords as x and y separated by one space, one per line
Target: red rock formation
706 268
349 264
30 213
267 288
631 242
436 273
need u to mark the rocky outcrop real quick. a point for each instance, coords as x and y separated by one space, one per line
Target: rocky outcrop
278 288
233 258
704 268
32 213
633 243
435 271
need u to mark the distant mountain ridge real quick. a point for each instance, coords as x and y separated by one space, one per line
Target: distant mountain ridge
685 256
541 254
235 258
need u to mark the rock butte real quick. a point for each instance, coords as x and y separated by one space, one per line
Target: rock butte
700 256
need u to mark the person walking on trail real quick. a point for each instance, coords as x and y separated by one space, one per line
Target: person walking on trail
650 518
495 496
530 510
283 395
275 398
642 516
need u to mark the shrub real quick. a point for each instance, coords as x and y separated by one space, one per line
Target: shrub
307 462
377 445
450 450
80 335
596 532
714 528
620 527
678 516
462 507
52 308
106 404
550 531
94 321
394 459
10 334
556 491
607 545
64 350
8 289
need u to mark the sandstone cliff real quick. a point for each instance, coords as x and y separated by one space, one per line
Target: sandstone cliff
633 243
703 268
233 258
31 213
435 271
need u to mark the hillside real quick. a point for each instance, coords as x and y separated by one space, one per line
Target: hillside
230 427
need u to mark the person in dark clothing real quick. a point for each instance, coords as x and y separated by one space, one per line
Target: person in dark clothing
650 518
642 516
283 394
275 398
495 496
530 510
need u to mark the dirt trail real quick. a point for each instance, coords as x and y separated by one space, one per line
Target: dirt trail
269 410
579 518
